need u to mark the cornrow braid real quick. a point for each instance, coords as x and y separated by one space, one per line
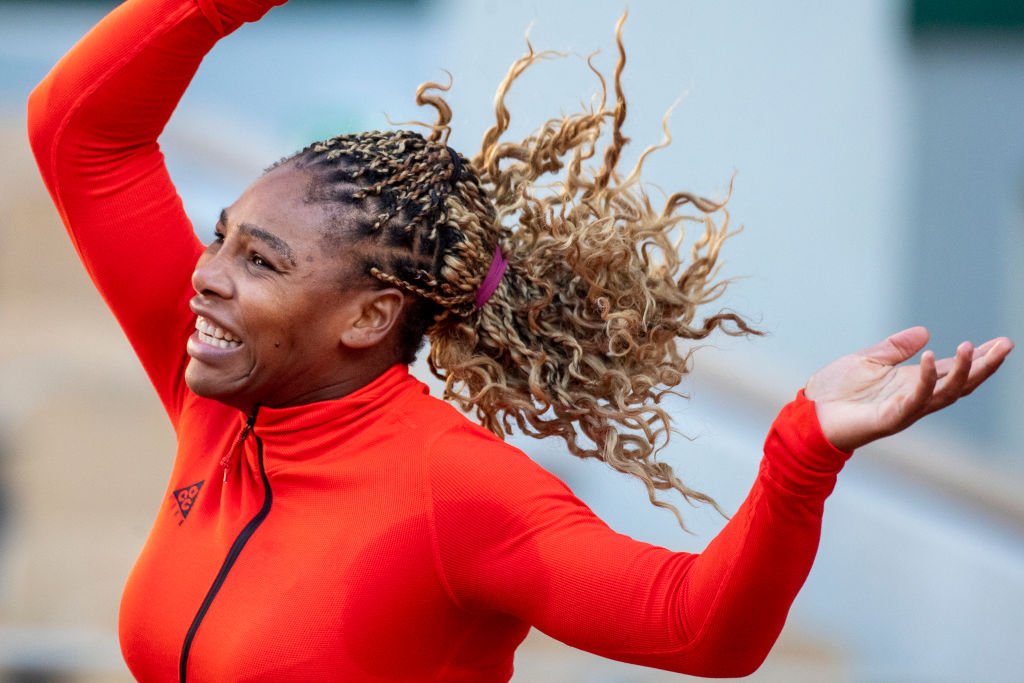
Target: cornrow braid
580 339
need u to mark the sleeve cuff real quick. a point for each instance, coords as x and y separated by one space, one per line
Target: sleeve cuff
798 455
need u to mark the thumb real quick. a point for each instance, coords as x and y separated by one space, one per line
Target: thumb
898 347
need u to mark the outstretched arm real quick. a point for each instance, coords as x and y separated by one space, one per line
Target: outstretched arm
93 124
512 539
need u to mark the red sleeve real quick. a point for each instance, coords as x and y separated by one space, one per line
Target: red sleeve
93 124
513 539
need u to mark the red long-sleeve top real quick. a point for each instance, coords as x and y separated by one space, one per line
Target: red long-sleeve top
381 536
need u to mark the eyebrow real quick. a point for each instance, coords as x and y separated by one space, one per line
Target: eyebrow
270 239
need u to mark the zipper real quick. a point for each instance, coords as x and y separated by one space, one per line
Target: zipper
236 548
225 462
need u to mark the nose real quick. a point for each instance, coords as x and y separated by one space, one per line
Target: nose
212 276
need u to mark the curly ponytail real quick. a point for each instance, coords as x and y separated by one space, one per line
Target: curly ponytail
579 340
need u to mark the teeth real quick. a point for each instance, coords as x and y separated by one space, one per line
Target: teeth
215 336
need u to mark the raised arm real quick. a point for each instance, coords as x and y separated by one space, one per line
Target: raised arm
93 125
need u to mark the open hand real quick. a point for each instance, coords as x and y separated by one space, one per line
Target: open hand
868 395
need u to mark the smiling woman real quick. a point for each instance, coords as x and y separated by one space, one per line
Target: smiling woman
327 519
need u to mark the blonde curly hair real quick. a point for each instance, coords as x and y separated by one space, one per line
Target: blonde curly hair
580 339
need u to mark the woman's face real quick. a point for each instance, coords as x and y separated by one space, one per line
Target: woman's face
271 309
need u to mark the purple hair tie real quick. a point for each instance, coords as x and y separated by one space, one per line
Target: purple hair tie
493 277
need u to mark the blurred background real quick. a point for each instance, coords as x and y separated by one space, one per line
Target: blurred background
879 175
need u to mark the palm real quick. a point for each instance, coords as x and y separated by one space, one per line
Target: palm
867 395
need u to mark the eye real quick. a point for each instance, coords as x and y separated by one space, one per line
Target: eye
260 262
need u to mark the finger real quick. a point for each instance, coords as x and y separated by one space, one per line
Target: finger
984 348
985 367
951 387
918 400
898 347
944 365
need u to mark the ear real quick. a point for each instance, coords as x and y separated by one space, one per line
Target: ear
376 313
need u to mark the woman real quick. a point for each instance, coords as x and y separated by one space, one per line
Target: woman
326 519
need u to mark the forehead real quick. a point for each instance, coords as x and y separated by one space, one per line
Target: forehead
278 204
275 201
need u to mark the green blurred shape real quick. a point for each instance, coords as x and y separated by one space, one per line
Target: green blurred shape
957 15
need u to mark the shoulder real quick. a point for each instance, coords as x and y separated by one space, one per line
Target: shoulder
448 434
476 480
466 464
457 443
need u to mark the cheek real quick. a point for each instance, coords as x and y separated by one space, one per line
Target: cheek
269 319
289 322
281 339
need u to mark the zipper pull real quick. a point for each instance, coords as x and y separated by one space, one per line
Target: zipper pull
225 462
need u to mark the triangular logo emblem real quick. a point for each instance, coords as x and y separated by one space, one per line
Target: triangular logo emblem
185 497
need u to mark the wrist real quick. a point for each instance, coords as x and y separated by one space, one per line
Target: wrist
840 439
798 454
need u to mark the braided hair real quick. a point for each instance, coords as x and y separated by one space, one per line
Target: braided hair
580 338
422 221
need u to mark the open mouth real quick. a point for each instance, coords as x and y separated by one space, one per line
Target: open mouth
215 336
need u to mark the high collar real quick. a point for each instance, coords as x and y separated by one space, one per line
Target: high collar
386 390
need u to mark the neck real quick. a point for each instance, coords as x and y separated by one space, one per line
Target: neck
349 379
352 374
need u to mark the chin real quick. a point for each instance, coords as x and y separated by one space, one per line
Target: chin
200 382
